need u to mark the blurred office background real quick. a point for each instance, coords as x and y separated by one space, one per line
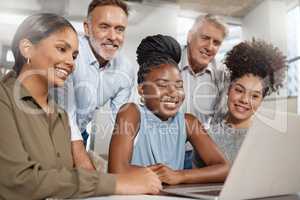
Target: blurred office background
276 21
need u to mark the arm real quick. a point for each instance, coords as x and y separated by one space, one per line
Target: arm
66 99
139 181
80 156
217 167
121 144
22 177
121 97
126 75
223 81
131 179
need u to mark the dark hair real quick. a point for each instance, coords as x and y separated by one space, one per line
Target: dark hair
119 3
35 28
154 51
260 59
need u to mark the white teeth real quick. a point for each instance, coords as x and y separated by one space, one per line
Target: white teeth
109 46
205 54
170 104
61 72
240 108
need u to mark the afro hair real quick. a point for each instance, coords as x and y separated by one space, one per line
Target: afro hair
260 59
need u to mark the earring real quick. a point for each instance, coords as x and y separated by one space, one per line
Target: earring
142 99
28 60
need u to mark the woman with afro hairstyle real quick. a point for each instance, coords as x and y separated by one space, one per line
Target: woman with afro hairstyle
153 135
256 70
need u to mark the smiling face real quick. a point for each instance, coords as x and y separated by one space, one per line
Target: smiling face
162 90
106 29
244 97
203 45
54 56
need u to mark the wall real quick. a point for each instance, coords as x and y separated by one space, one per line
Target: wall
267 21
281 104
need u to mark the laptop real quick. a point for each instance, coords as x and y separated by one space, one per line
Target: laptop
268 163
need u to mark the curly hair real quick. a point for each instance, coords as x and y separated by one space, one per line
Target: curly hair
154 51
260 59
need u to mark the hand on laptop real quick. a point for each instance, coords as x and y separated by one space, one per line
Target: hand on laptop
166 174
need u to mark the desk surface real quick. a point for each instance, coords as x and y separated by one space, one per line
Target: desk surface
165 196
138 197
158 197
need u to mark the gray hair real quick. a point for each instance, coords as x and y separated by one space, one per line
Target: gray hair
217 21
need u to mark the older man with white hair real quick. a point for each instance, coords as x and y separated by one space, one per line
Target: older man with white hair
204 81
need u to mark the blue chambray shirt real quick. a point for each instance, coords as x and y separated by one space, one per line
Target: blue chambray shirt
89 87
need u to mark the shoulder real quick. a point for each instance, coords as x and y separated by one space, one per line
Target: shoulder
220 66
84 46
191 121
3 92
222 75
122 63
82 40
129 112
189 116
6 99
218 118
129 107
194 127
221 70
128 119
6 85
85 56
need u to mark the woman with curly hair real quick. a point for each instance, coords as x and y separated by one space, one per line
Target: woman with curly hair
256 70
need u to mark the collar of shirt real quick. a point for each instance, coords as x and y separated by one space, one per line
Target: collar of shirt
151 117
184 65
24 96
20 92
